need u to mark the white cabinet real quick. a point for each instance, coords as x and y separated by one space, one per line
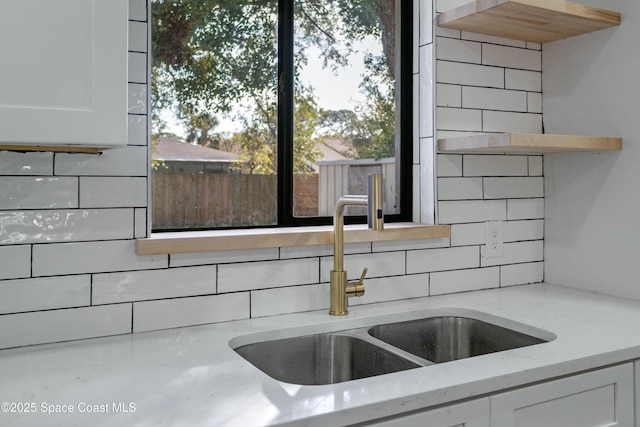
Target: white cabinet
599 398
637 403
468 414
64 73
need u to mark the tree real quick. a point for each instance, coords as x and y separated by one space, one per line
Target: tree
211 56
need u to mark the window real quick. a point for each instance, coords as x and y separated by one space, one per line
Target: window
265 112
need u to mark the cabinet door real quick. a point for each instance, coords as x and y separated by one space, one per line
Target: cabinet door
468 414
64 72
598 398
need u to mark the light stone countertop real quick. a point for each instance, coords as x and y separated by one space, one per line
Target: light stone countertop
192 377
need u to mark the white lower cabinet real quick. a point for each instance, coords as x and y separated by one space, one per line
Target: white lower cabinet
599 398
637 371
468 414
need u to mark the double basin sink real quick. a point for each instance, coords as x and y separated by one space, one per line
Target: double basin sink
338 356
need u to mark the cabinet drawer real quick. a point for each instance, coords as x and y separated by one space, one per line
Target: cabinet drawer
599 398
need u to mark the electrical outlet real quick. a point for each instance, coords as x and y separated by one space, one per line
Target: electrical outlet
493 239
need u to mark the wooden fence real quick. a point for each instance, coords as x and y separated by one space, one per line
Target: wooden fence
192 201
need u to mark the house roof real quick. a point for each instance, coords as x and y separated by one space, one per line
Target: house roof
169 149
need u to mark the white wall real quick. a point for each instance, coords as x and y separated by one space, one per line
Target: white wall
592 87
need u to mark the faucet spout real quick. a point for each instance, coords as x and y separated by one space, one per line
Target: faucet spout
340 288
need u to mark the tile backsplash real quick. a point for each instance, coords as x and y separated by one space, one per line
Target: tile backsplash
68 222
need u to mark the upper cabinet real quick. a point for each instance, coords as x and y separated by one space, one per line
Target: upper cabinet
529 20
64 74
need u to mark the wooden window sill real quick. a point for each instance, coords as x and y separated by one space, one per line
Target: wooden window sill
223 240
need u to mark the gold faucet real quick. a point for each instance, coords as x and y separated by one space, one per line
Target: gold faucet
340 288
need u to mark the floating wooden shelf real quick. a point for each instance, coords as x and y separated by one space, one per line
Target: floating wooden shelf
526 143
530 20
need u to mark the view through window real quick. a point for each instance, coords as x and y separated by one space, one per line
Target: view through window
265 113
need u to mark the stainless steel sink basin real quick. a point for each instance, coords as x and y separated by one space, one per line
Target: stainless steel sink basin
322 359
446 338
381 347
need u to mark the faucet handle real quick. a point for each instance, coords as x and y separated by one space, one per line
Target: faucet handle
356 289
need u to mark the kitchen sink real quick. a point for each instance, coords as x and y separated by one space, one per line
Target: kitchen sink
322 359
384 347
446 338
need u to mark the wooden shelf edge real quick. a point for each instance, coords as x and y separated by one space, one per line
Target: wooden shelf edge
528 20
222 240
52 148
524 143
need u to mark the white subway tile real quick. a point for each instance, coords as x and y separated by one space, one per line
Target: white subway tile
535 165
447 32
458 50
63 225
415 40
125 161
113 192
449 165
523 230
222 257
425 28
495 165
429 260
108 288
415 116
56 259
180 312
292 299
64 325
502 121
493 99
525 209
427 184
18 192
15 261
455 212
511 57
444 5
448 95
393 289
514 253
513 187
426 91
534 46
459 119
268 274
138 10
44 293
138 36
459 188
378 264
523 80
469 74
137 67
521 274
467 234
416 211
322 250
36 163
534 102
448 282
137 98
137 130
409 245
493 39
140 223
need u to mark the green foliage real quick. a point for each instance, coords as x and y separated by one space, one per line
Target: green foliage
212 56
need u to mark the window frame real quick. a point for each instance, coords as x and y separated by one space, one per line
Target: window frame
285 102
